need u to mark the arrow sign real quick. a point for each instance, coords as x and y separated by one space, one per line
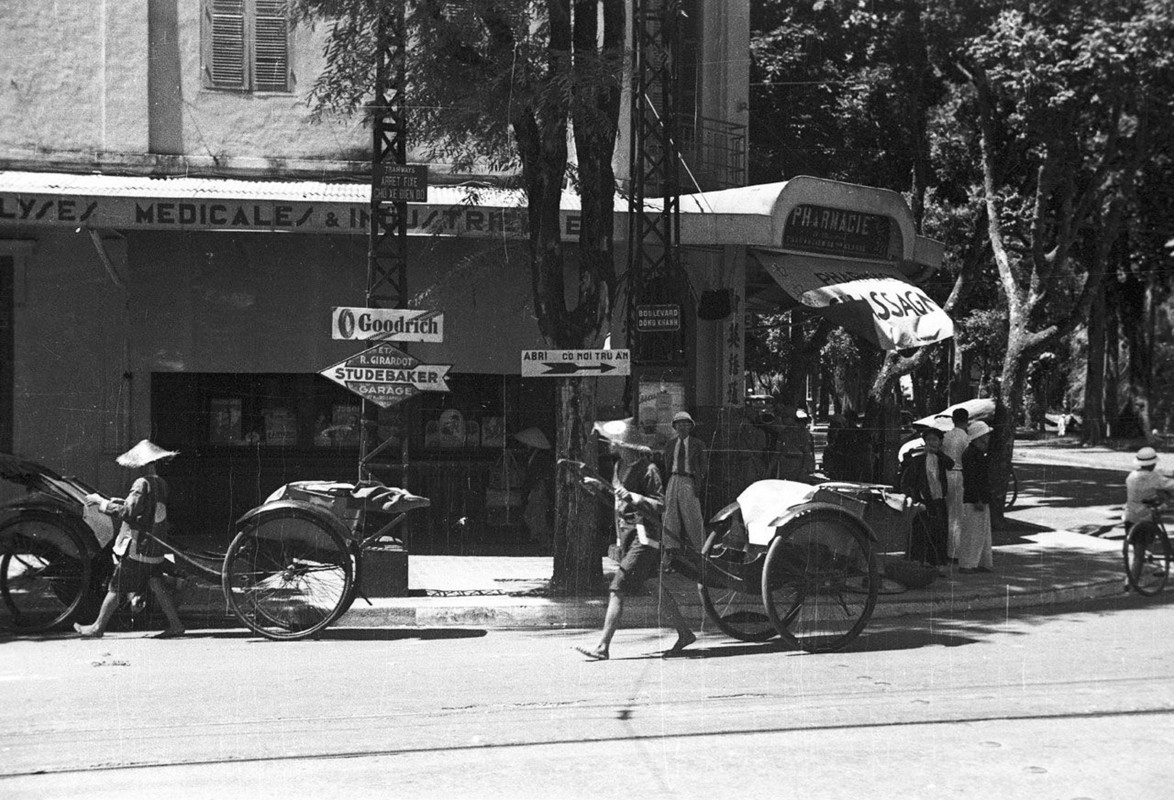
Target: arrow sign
574 369
385 375
571 363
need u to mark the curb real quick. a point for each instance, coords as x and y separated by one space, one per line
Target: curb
204 606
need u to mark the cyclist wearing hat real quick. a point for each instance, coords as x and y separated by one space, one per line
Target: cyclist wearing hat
1144 484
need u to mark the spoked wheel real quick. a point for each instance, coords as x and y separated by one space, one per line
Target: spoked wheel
820 582
736 614
1147 558
1012 490
287 576
45 573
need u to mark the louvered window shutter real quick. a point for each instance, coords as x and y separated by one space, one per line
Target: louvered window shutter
271 46
225 66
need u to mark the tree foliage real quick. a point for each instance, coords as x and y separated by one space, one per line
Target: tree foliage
1047 130
506 85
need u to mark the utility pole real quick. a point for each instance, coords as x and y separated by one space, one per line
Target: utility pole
387 254
655 275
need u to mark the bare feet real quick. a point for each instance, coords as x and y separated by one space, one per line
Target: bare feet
598 654
170 633
87 631
683 640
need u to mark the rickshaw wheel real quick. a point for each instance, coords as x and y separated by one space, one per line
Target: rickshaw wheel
820 582
736 614
45 572
286 576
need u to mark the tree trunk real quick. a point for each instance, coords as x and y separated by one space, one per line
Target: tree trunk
1008 394
579 543
1094 381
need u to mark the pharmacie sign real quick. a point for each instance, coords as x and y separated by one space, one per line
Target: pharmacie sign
386 375
386 324
834 231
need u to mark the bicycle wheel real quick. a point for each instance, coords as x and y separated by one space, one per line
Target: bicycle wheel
1012 490
736 614
820 582
286 576
1147 558
45 572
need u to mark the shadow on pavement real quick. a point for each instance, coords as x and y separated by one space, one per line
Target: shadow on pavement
354 634
976 625
1065 486
330 634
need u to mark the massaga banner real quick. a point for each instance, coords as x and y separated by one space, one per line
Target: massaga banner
872 300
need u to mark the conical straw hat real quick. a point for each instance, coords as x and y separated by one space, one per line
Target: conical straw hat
143 454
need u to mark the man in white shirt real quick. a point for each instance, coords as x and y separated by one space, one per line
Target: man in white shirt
954 444
685 462
1145 483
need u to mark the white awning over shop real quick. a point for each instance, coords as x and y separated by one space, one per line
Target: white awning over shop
873 300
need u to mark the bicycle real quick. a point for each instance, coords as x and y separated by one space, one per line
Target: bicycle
1147 553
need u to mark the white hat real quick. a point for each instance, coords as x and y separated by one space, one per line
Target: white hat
533 437
143 454
1147 455
977 430
683 416
624 433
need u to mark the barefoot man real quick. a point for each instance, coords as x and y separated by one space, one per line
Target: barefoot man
639 501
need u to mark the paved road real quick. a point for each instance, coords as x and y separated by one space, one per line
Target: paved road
1069 702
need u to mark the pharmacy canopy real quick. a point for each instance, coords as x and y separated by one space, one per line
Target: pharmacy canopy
847 252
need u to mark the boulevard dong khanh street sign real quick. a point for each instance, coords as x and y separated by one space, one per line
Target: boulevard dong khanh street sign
385 375
575 363
386 324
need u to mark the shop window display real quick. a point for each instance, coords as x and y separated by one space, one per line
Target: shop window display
247 434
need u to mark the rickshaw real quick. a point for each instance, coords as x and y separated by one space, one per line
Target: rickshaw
792 560
294 565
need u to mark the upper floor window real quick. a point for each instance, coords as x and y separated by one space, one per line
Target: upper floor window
245 45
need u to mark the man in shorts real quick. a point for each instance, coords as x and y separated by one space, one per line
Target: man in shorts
639 501
138 558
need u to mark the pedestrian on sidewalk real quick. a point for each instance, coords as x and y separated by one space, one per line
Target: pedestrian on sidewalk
925 481
974 548
636 486
954 444
138 558
685 459
537 491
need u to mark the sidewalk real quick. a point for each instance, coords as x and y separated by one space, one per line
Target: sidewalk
1049 551
491 592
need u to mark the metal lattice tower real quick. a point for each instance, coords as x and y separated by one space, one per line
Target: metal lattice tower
387 254
654 233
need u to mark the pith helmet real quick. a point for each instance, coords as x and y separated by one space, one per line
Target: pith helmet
683 416
144 453
977 430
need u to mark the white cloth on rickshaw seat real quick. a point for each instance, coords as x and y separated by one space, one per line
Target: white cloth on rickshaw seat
763 502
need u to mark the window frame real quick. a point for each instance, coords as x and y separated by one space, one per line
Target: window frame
251 42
